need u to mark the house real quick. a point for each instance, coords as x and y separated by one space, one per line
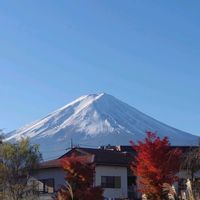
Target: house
111 172
48 178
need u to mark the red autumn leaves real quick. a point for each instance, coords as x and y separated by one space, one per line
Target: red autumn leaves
156 163
79 178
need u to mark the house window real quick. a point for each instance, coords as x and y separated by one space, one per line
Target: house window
111 181
46 185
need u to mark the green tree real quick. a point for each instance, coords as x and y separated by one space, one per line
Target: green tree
16 163
1 136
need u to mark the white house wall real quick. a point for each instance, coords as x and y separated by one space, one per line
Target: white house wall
56 173
112 171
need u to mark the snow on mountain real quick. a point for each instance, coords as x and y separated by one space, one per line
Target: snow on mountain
94 120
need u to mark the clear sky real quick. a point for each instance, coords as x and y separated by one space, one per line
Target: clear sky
146 53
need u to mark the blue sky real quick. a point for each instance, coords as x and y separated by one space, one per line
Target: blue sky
145 53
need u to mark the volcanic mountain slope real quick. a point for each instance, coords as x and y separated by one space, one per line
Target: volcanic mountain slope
94 120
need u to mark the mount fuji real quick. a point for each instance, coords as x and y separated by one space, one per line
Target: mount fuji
94 120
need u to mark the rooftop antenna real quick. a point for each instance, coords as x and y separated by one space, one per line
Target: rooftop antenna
72 146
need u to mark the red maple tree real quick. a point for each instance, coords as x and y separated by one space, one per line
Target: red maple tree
79 178
156 163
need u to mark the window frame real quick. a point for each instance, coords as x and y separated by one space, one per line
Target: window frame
111 182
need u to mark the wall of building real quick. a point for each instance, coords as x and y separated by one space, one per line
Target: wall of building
187 174
112 171
54 173
58 176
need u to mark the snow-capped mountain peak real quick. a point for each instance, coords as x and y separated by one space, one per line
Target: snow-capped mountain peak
96 119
